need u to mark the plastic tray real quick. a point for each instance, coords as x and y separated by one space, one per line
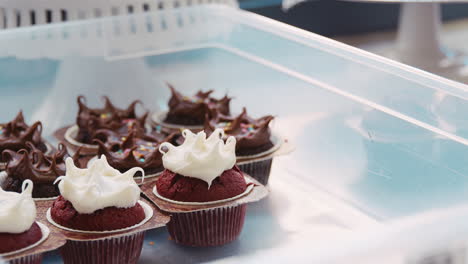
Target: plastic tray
381 157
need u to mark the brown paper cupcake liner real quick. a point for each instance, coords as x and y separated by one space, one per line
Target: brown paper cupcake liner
30 259
211 227
125 249
259 169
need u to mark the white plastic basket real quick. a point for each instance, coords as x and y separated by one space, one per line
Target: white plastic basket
116 37
20 13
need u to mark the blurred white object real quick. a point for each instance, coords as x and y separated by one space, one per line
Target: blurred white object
418 42
287 4
20 13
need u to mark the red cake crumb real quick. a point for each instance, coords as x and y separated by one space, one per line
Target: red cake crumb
109 218
186 189
11 242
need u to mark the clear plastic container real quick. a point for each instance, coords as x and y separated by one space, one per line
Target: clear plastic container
380 170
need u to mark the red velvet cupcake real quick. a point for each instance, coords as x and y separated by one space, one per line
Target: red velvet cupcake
100 199
18 229
202 171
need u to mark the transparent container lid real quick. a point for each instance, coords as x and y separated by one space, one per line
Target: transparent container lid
380 156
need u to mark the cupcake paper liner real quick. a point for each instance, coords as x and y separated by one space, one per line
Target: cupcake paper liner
125 249
259 169
30 259
45 198
211 227
206 224
259 165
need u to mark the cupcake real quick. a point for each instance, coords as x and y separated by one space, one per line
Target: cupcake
33 164
253 136
19 230
15 134
135 150
254 139
100 200
202 172
191 111
91 122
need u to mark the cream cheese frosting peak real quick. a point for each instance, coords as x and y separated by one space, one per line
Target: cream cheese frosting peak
98 186
200 157
17 210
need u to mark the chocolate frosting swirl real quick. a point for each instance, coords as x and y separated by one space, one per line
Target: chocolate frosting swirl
36 166
90 120
15 134
184 110
135 150
252 135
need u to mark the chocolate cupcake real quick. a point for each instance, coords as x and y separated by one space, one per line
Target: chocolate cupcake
91 122
101 200
15 134
253 136
202 171
135 150
191 111
19 230
33 164
254 141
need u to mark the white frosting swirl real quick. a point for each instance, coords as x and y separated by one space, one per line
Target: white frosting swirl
199 157
99 186
17 210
